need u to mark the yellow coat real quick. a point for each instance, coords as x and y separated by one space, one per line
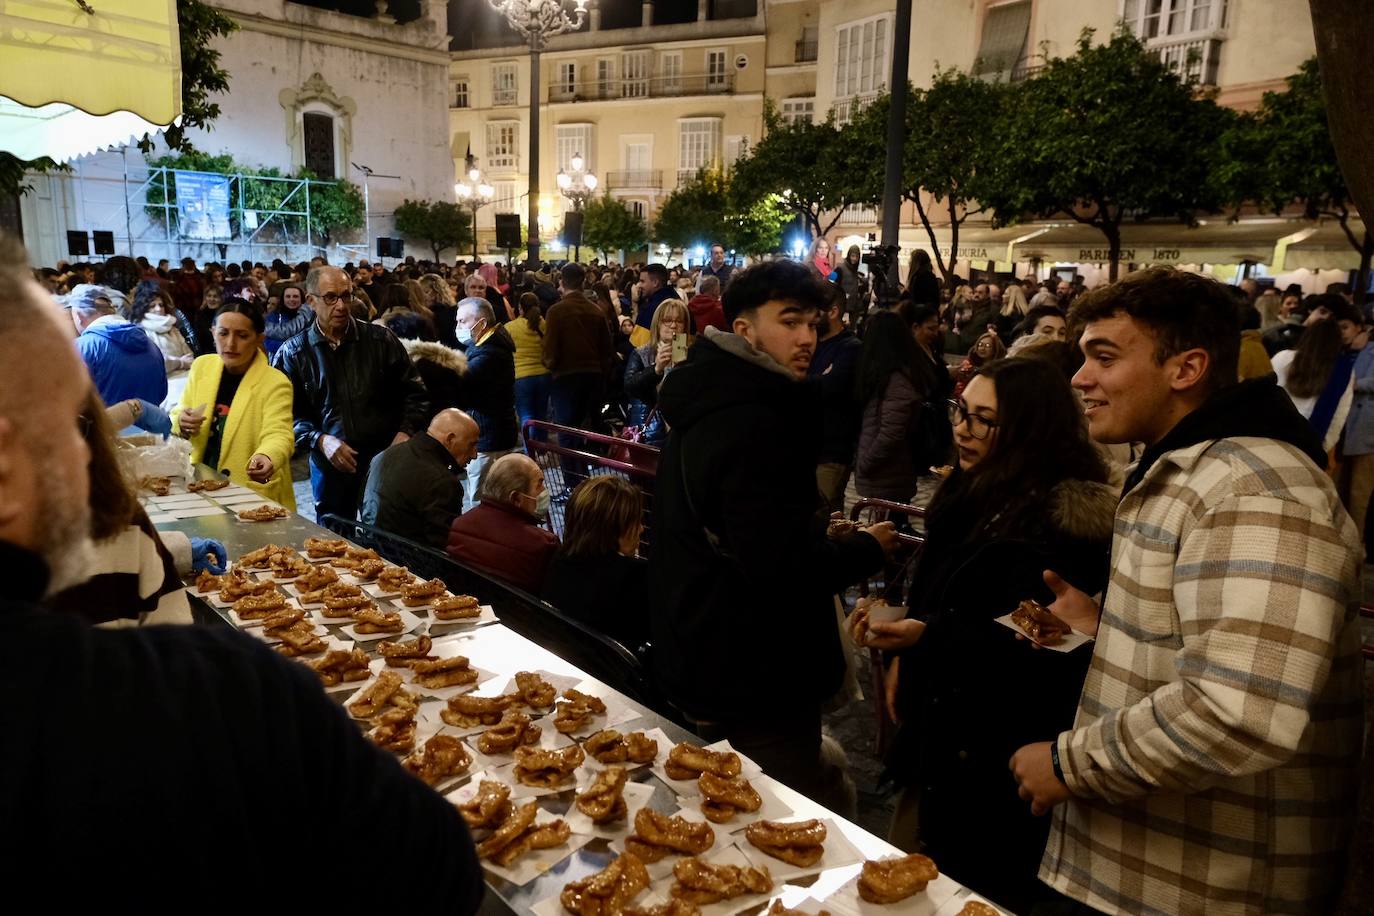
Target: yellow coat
259 421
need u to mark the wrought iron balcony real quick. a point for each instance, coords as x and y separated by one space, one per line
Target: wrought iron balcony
635 179
646 87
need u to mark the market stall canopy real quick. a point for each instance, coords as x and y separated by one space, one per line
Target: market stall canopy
76 77
1320 246
1209 242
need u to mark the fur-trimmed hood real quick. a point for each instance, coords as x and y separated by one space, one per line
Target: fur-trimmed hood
436 353
1083 509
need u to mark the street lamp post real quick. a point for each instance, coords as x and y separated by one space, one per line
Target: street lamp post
476 193
537 21
577 186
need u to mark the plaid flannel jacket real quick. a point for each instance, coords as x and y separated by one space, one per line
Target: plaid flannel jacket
1214 759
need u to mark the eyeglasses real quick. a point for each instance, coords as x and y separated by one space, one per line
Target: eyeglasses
333 298
978 427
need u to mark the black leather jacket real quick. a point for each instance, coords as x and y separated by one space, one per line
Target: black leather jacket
363 392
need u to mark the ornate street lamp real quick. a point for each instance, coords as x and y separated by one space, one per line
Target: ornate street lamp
537 21
577 186
476 193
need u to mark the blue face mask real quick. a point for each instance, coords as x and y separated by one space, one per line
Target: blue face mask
464 335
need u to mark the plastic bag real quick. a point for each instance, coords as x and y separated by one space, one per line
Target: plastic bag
157 458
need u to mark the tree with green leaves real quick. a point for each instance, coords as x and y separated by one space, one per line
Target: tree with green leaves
441 223
608 225
807 165
949 156
1282 154
201 77
694 214
1108 135
754 227
334 206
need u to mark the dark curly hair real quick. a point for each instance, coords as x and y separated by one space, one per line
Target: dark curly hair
788 281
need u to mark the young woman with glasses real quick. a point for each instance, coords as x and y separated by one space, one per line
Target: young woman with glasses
1027 495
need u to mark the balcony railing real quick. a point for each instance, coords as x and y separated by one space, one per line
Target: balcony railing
846 108
635 179
1196 58
859 216
648 87
806 51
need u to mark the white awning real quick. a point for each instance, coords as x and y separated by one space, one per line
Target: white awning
73 82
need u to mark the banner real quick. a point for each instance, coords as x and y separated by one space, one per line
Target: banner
203 205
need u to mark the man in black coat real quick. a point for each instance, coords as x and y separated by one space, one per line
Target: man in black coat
487 391
162 754
414 488
835 365
355 391
742 573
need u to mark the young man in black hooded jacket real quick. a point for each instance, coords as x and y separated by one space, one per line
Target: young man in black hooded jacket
743 573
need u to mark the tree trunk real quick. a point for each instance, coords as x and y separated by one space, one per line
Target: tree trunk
1362 278
1113 233
954 222
1344 32
946 269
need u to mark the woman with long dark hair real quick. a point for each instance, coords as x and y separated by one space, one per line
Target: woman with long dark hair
887 386
1028 494
1317 374
532 378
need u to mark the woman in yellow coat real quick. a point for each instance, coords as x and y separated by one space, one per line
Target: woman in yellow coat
236 408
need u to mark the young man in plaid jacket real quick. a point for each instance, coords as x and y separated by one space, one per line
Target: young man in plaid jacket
1214 760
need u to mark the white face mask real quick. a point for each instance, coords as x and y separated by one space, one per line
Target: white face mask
541 505
464 335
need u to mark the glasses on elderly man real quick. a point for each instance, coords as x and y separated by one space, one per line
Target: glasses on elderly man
332 298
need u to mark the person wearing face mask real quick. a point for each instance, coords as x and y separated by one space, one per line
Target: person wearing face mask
744 577
355 391
1028 493
236 408
487 389
504 536
597 576
414 488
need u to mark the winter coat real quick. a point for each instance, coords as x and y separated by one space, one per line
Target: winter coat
644 317
414 489
742 574
576 338
1359 424
852 282
962 718
834 364
1254 360
488 391
259 422
707 312
885 468
641 382
1215 755
529 347
505 542
441 369
606 593
924 288
363 392
283 324
165 332
123 361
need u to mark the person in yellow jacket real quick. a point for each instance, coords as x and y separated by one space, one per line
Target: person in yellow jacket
236 408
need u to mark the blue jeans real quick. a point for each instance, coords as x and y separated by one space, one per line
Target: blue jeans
532 400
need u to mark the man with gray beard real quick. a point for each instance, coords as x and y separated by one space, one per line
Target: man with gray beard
161 754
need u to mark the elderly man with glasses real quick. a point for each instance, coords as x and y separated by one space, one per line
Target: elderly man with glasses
356 392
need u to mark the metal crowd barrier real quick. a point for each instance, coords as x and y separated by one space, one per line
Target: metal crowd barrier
570 456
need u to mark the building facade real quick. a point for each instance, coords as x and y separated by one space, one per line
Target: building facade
308 88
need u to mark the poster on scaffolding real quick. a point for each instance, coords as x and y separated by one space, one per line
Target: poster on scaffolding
203 205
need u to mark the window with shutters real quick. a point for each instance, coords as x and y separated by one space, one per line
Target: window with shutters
566 84
735 149
504 88
634 75
502 140
571 140
639 208
605 78
1186 35
1006 31
460 92
670 72
716 72
507 197
318 132
862 57
698 146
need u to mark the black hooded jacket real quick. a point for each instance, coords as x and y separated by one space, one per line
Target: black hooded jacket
487 391
745 627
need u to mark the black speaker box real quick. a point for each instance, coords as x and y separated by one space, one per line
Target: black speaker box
572 227
508 230
78 243
104 241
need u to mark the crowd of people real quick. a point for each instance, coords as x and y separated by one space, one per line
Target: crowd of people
1179 469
